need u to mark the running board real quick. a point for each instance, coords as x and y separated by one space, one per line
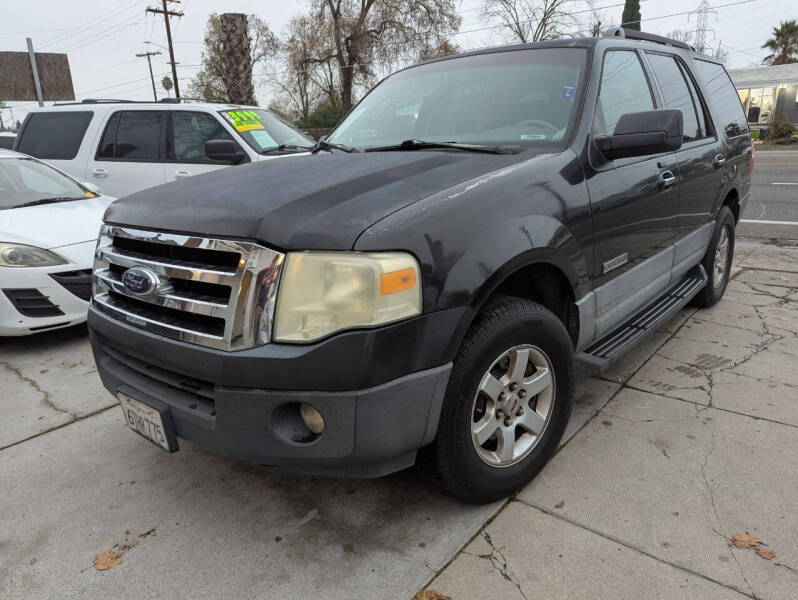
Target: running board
603 352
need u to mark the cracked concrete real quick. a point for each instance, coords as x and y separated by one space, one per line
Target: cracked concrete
699 444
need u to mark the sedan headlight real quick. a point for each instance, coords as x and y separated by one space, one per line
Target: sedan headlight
20 255
324 292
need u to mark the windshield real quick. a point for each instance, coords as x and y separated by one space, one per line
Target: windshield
265 131
25 181
515 99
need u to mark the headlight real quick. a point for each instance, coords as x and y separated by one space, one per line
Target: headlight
324 292
20 255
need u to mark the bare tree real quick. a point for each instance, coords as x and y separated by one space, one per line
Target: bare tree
442 48
210 82
530 20
366 33
681 35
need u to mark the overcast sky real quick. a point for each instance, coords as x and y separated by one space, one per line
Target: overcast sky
102 37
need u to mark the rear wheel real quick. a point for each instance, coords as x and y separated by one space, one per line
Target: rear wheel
718 260
507 402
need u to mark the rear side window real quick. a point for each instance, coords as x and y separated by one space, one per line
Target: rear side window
624 89
133 135
191 130
675 93
728 111
54 135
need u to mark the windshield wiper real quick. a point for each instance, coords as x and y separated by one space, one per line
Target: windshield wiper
48 201
422 145
330 146
282 147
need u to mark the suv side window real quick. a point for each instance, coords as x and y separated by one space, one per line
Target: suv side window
675 93
191 130
133 135
729 113
624 89
54 135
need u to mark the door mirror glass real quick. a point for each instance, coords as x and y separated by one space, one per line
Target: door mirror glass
643 133
224 151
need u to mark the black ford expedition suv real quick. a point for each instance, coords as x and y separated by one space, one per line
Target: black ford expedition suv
419 289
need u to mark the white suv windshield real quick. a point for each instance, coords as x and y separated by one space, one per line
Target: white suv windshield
264 131
513 99
26 182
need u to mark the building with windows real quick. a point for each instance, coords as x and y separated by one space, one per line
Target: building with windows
768 94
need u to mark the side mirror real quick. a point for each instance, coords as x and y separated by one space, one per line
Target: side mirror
91 187
643 133
224 151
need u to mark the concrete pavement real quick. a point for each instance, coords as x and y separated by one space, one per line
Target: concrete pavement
687 440
699 444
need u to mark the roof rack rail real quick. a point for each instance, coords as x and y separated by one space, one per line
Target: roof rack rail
631 34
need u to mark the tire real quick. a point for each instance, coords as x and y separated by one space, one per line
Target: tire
716 285
522 328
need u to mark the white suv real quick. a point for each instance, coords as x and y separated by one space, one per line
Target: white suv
124 147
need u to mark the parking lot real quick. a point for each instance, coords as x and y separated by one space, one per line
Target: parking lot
688 440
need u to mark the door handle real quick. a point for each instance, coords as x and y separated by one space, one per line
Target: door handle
100 173
718 161
182 174
666 180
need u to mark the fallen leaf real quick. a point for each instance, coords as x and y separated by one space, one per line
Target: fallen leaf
147 533
106 560
745 540
430 595
766 553
560 504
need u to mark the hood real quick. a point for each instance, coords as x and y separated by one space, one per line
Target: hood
54 225
320 202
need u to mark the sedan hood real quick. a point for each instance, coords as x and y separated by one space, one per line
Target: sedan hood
305 202
54 225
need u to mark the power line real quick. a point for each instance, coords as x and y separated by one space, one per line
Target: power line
166 14
81 30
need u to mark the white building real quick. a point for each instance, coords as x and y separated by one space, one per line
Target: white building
768 93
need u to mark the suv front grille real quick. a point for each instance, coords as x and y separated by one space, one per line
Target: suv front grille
204 291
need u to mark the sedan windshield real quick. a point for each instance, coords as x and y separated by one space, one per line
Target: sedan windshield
27 182
514 99
265 132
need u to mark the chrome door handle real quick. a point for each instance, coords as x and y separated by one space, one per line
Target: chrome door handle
100 173
666 180
182 174
718 161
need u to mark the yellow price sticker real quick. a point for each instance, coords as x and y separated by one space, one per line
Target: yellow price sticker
244 120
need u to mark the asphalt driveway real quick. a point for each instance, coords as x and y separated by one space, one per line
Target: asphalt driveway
691 438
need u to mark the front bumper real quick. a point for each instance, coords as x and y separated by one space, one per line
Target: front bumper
376 416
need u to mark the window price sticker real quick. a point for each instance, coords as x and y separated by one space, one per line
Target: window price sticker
244 120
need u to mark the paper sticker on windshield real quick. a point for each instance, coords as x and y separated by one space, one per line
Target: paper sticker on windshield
568 91
263 138
244 120
533 136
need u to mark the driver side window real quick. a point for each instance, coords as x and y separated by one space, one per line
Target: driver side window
624 89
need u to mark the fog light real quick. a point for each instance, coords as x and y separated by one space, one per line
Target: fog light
312 419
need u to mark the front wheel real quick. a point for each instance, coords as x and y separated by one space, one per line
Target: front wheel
718 260
507 402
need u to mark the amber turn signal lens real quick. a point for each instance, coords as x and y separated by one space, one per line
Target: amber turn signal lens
397 281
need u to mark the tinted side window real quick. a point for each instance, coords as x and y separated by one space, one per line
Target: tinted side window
132 135
54 135
701 108
624 89
192 130
675 93
728 111
106 149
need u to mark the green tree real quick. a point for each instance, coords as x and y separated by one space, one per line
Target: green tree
166 83
783 45
631 15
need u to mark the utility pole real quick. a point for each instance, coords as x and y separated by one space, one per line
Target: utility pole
702 24
166 14
148 56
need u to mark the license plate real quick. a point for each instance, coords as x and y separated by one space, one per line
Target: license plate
148 422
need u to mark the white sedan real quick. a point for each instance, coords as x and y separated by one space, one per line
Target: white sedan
48 231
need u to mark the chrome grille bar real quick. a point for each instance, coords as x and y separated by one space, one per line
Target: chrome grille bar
171 307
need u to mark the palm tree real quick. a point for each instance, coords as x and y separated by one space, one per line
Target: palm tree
783 44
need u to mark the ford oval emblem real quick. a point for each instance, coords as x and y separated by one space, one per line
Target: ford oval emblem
140 281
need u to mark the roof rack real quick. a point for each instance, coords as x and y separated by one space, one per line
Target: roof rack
631 34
